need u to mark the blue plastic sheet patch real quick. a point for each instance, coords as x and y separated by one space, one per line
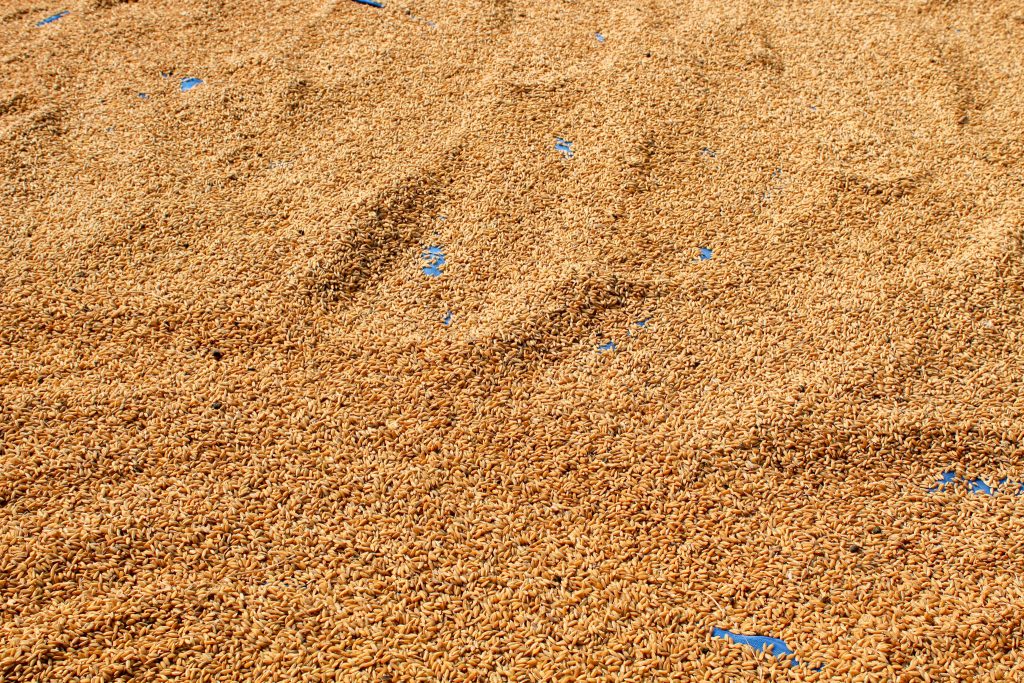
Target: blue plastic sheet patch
760 643
976 485
944 480
565 147
52 18
979 486
434 256
189 83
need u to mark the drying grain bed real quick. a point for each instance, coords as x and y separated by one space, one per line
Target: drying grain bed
485 340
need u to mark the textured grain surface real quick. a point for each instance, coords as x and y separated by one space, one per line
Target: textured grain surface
238 442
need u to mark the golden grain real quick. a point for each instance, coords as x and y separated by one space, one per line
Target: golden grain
239 442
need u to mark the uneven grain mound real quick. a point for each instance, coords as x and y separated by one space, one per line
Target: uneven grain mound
487 340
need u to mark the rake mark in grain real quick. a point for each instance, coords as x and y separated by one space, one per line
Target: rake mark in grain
303 96
882 189
391 223
569 313
500 14
967 80
13 104
108 4
19 120
802 447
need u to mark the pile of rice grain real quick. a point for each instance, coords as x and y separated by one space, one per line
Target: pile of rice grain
697 371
